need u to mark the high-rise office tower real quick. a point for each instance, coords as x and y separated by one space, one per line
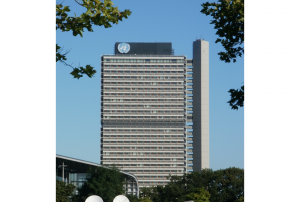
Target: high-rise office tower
148 97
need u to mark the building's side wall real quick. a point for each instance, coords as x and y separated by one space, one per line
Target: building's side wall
200 105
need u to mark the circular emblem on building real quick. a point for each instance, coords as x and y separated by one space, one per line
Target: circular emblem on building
123 47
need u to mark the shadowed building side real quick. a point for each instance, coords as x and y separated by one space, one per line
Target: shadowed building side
200 105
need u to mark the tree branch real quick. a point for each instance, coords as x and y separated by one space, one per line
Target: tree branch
79 3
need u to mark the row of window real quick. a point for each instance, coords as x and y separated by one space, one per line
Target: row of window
143 142
143 100
153 183
144 77
119 60
144 136
144 117
142 72
143 83
145 148
148 67
146 165
152 177
144 89
144 94
146 130
143 159
143 111
143 153
145 124
144 106
153 171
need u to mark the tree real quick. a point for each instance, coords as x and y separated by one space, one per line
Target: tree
160 194
132 198
63 191
228 18
145 192
241 199
98 14
145 200
237 98
104 182
200 195
176 189
230 184
225 185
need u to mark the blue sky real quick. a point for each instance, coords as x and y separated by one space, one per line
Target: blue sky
179 22
32 88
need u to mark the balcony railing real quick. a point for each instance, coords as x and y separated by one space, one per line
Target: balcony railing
152 155
145 161
143 80
142 96
165 179
151 144
142 83
156 172
138 150
144 108
143 74
143 118
141 62
124 167
148 68
142 138
145 132
144 91
140 102
141 113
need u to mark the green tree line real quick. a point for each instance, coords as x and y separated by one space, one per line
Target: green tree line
224 185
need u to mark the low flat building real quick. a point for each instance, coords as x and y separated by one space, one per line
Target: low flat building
75 172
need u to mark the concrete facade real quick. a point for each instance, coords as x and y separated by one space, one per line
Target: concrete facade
145 105
200 105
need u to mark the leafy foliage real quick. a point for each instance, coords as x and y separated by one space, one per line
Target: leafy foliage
77 72
241 199
145 192
132 198
228 18
145 200
201 195
104 182
97 14
225 185
237 98
63 191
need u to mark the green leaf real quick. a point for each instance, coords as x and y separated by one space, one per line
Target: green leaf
97 14
237 98
228 20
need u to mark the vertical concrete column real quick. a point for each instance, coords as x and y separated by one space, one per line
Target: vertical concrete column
200 105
